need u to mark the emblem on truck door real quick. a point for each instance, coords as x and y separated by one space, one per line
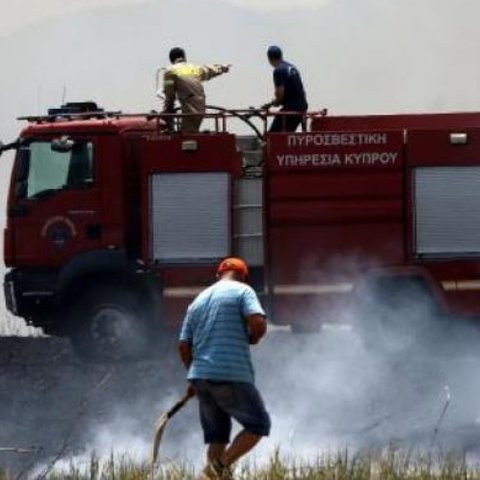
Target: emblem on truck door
60 230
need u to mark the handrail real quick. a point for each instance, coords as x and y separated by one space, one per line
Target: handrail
96 115
220 117
154 114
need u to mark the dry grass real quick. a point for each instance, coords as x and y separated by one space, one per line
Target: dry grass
389 465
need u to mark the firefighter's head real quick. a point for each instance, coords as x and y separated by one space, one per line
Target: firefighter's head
176 54
233 267
274 55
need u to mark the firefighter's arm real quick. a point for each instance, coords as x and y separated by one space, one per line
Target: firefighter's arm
279 80
169 92
257 327
186 353
279 95
211 71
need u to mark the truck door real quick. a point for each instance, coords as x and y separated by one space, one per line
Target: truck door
54 202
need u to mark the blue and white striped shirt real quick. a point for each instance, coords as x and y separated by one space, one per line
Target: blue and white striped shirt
215 327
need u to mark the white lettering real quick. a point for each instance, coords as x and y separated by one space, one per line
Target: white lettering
314 160
336 139
375 158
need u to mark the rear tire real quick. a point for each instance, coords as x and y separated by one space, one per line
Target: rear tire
111 323
396 315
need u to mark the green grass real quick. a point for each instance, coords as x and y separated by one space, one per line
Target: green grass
389 465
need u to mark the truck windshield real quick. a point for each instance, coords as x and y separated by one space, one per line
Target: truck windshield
48 171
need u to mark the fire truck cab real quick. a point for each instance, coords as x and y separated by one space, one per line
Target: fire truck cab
115 223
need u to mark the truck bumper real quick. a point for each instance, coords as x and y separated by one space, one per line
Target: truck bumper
29 293
10 296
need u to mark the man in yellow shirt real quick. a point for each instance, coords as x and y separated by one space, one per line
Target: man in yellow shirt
183 80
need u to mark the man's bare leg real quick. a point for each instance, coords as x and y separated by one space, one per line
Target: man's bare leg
241 445
215 451
214 469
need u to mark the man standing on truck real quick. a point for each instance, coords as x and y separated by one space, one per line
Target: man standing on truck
289 93
219 327
183 80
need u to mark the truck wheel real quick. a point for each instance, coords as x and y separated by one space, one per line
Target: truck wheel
395 315
110 324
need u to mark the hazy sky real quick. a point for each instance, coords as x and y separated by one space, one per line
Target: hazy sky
356 56
21 13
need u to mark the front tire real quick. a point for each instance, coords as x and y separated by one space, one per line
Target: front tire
111 324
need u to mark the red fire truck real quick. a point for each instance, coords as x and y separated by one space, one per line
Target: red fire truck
115 223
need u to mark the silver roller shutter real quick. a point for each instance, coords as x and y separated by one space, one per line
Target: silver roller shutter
447 203
190 216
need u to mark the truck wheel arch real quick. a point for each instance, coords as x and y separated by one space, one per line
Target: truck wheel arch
414 274
99 282
103 267
399 310
90 264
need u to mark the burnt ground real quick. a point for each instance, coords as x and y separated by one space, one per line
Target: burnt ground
323 391
50 403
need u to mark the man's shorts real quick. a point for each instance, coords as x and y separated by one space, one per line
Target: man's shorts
221 401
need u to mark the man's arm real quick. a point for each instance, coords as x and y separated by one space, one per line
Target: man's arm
279 95
279 80
185 340
254 316
212 71
186 353
169 92
257 327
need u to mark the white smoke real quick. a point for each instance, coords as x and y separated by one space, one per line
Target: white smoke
348 386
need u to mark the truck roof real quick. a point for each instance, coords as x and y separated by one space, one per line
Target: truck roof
396 121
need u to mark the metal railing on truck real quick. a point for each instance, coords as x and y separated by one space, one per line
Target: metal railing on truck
172 121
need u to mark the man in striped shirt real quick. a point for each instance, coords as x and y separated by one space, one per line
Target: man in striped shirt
219 327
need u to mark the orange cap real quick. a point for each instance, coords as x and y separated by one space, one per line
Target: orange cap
233 264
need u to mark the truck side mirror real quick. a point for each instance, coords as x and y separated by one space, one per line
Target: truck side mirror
63 144
11 146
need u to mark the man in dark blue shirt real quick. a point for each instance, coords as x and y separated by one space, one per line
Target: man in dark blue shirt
289 93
